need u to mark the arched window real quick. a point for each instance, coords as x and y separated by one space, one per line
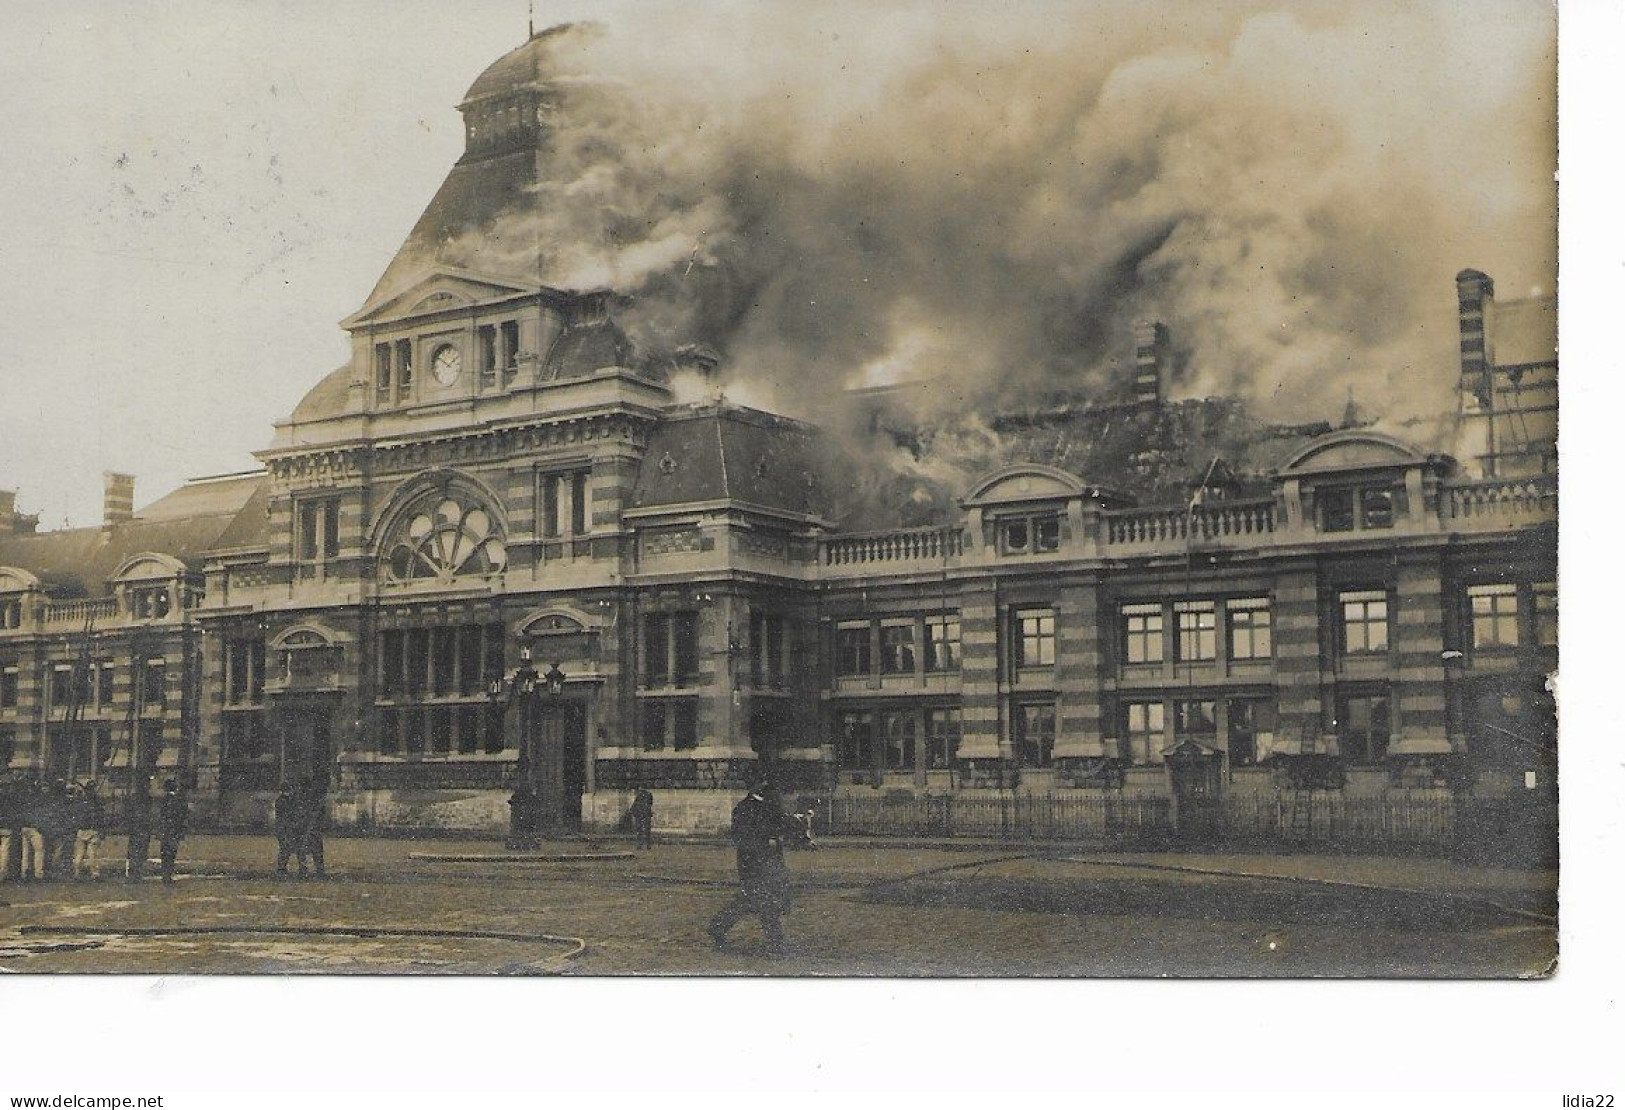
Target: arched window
443 541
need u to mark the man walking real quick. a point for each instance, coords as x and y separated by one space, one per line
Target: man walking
759 829
313 819
288 816
643 818
87 837
171 827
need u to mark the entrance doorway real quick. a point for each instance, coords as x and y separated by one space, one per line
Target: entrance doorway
307 742
1198 804
559 742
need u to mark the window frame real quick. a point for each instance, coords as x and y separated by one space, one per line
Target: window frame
1502 621
1130 635
1039 640
1365 597
1250 630
1206 638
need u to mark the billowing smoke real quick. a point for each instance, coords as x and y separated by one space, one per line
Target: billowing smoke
988 197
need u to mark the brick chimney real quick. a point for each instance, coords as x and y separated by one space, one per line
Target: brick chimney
1475 304
118 498
1150 362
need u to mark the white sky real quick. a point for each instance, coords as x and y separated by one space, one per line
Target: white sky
196 192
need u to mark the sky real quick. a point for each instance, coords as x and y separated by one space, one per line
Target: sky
195 193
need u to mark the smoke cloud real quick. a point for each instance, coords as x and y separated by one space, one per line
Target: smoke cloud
989 197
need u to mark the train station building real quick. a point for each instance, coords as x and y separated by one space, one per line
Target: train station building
494 554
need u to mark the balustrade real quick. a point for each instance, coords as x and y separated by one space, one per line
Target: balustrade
1235 519
1502 497
887 547
80 611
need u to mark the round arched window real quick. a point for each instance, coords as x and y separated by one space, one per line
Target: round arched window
446 541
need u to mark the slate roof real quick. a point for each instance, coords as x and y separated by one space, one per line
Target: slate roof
725 453
186 523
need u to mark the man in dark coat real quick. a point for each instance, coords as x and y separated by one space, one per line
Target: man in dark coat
759 830
643 818
58 821
313 820
171 827
289 819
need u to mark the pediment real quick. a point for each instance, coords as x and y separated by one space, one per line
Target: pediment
1353 451
437 291
149 566
14 579
1028 482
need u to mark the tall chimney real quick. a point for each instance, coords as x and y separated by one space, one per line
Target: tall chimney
1150 361
1475 302
118 498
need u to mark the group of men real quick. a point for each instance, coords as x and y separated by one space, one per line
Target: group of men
301 811
54 829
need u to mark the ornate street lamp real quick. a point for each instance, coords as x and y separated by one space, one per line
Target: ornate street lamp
521 690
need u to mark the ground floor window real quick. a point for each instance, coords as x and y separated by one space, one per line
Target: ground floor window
942 733
1143 731
243 737
1249 730
903 738
441 729
854 748
1363 725
1033 733
669 723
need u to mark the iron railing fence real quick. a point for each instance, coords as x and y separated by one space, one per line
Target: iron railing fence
1419 818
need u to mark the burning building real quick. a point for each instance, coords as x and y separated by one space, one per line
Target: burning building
515 552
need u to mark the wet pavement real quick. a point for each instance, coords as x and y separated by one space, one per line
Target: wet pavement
402 907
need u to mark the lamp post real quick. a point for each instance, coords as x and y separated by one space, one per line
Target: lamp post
522 690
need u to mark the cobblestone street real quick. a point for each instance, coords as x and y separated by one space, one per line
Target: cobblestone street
1005 910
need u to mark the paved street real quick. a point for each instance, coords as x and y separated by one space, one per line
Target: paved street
1010 910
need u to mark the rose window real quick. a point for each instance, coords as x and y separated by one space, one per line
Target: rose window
446 542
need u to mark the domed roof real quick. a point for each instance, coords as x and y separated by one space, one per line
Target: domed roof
531 65
326 398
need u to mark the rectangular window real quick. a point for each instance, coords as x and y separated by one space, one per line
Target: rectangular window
509 350
1142 633
1198 721
243 737
1250 729
149 603
8 687
942 732
670 723
153 684
317 536
1377 508
1365 621
11 614
856 732
564 509
898 752
487 353
1495 615
104 684
1250 629
1545 607
245 671
1033 727
391 664
470 667
61 685
440 728
670 649
897 648
767 649
403 367
1363 725
1336 510
1034 637
1143 731
1197 638
685 724
443 661
942 643
382 373
852 649
468 728
1030 534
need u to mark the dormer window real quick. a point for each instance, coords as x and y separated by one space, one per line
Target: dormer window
1030 533
1356 508
149 603
11 613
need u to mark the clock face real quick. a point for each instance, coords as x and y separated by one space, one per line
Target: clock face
447 364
